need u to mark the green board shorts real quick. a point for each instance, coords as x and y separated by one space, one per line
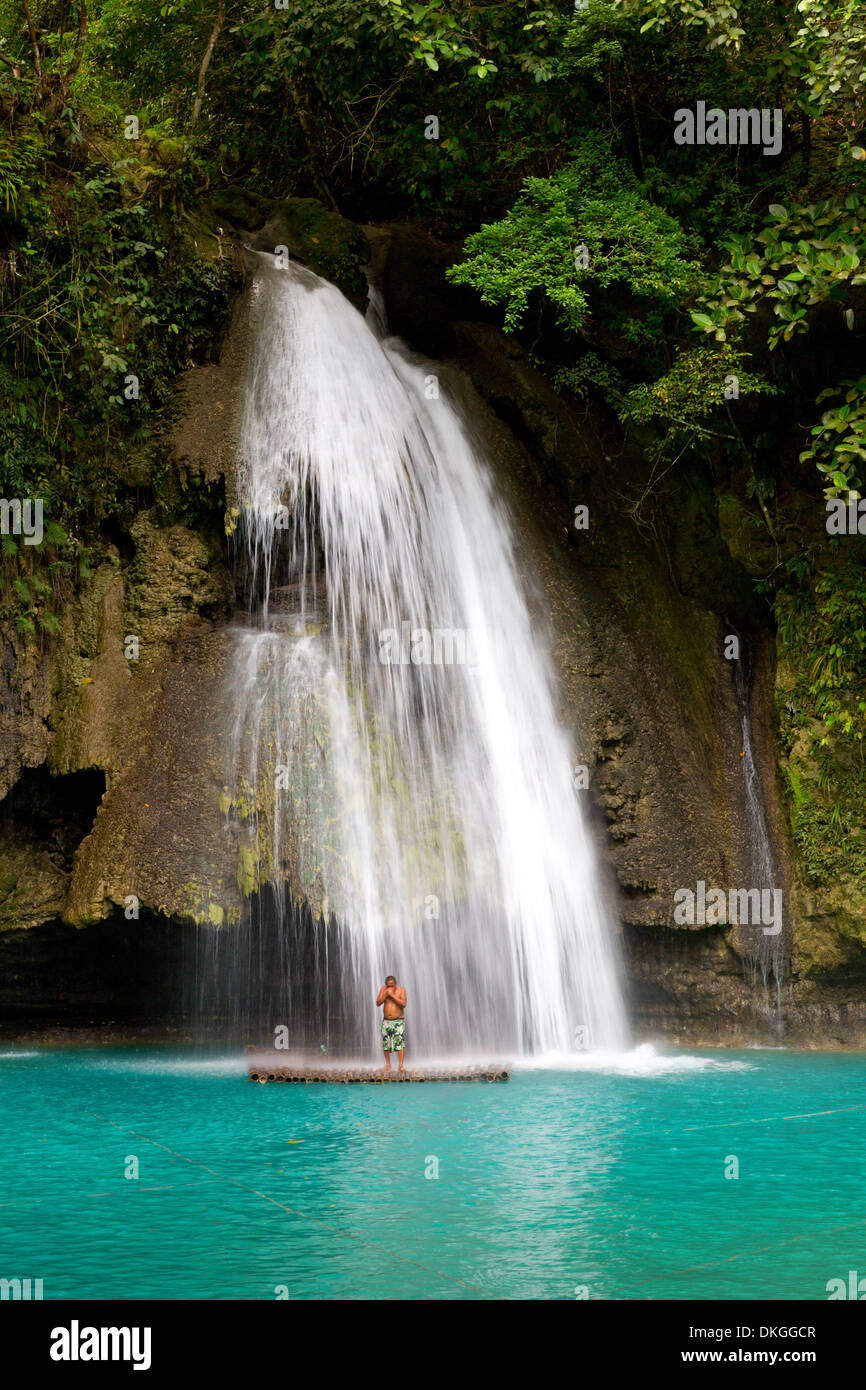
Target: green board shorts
393 1034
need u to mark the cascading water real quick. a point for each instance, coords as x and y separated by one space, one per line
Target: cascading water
396 753
768 950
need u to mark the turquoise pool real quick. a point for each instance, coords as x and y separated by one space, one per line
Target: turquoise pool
608 1179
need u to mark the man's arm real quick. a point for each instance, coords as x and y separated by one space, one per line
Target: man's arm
399 996
383 995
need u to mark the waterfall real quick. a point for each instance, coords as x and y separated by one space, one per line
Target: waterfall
768 951
396 754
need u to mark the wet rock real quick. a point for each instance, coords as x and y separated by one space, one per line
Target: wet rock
321 239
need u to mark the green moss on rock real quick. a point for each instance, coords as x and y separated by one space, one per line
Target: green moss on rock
323 240
32 889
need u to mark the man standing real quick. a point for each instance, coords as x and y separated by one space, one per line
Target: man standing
393 996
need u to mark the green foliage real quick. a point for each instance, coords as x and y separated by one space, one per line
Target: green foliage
35 581
830 43
806 258
839 440
592 377
835 636
98 294
689 404
822 638
718 19
20 168
342 89
593 203
814 49
695 387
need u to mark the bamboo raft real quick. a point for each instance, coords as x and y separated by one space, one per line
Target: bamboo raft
345 1076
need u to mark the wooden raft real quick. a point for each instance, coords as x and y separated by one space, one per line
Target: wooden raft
348 1075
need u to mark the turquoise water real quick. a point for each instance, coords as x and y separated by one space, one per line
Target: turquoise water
609 1178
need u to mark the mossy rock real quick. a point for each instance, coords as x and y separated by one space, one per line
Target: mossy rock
240 207
745 534
170 152
171 580
324 241
32 888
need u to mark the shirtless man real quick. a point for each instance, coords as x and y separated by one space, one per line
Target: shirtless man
393 996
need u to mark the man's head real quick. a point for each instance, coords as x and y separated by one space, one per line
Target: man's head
390 980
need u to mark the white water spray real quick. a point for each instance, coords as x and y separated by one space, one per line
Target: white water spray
396 745
769 951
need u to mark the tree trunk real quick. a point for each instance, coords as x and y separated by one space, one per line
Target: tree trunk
79 45
205 64
806 131
64 80
37 56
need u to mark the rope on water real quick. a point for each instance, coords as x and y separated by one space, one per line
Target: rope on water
769 1119
293 1211
654 1278
742 1254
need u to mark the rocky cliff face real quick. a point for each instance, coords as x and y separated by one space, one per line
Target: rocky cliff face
638 604
641 606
